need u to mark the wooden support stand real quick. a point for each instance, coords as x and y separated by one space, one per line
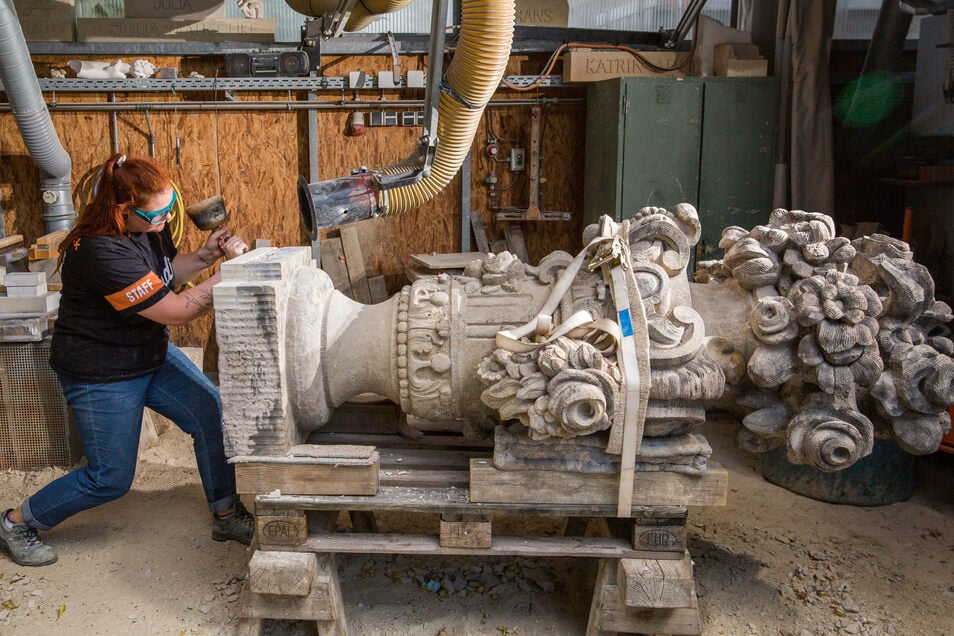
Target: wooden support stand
645 582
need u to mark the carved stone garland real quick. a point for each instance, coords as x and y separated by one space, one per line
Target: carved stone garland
850 343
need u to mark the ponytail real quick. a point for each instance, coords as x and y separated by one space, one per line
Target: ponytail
122 181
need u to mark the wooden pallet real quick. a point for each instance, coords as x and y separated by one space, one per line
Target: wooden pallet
645 570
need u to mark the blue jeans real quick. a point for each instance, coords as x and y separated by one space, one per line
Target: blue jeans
109 418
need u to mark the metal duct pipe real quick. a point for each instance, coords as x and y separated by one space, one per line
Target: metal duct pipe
33 120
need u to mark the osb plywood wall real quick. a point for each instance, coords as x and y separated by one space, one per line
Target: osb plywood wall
253 158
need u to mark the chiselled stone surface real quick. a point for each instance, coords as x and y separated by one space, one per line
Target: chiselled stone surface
250 329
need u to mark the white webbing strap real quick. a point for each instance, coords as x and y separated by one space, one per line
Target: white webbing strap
604 333
607 335
633 416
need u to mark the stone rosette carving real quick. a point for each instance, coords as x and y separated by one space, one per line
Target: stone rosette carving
849 343
564 389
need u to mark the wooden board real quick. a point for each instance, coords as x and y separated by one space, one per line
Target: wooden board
591 65
10 242
526 546
354 261
488 484
542 13
435 500
333 262
174 9
330 470
480 235
166 30
439 262
46 20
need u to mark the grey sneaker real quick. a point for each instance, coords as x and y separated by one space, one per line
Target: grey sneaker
238 526
25 546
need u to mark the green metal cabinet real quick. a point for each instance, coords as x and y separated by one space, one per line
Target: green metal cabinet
662 141
737 158
642 145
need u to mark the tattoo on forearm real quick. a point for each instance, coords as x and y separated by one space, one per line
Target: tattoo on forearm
195 297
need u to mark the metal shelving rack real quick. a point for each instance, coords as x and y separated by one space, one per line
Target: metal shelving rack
187 84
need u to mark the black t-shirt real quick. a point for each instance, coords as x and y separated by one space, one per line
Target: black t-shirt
107 280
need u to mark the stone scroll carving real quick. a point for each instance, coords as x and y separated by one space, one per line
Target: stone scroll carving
824 344
847 343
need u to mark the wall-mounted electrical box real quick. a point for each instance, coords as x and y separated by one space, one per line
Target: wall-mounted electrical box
517 158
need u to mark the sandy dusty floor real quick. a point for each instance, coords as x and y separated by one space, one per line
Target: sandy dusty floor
770 562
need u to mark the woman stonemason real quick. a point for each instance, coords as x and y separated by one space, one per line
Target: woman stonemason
112 355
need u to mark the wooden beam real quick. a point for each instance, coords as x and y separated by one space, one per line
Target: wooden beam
354 260
53 238
490 484
318 605
528 546
378 289
333 262
466 531
287 573
325 470
654 583
480 236
609 615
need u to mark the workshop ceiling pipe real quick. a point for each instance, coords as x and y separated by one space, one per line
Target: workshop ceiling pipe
33 120
367 11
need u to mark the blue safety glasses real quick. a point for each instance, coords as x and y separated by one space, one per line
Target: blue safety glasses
156 216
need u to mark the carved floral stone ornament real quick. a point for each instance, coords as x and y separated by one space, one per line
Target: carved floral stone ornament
848 341
586 363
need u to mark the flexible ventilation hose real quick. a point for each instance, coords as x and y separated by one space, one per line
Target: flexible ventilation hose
33 120
474 74
367 11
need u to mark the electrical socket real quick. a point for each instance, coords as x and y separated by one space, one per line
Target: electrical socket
517 159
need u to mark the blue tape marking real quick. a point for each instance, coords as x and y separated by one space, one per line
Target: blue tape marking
625 323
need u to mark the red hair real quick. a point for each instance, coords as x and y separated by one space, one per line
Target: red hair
123 181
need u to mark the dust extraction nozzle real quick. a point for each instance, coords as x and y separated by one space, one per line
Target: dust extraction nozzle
338 201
